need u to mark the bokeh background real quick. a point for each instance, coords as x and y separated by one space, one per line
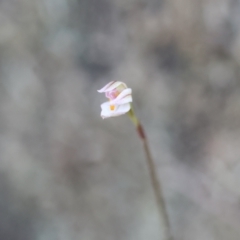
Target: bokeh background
66 174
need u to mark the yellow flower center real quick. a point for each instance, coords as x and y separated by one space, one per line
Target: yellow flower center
112 107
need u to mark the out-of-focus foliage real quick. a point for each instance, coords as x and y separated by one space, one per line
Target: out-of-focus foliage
65 174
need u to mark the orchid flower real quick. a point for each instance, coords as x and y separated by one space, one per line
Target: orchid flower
120 97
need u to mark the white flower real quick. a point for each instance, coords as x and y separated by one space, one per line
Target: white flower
120 97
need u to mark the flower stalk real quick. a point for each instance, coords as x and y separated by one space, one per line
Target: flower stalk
153 175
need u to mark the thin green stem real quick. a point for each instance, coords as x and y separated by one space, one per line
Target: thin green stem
154 179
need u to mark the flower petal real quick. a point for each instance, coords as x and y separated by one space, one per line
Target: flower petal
110 86
124 97
118 110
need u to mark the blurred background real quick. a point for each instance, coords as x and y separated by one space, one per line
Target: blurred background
66 174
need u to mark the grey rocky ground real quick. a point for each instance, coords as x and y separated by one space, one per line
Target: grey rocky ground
65 174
